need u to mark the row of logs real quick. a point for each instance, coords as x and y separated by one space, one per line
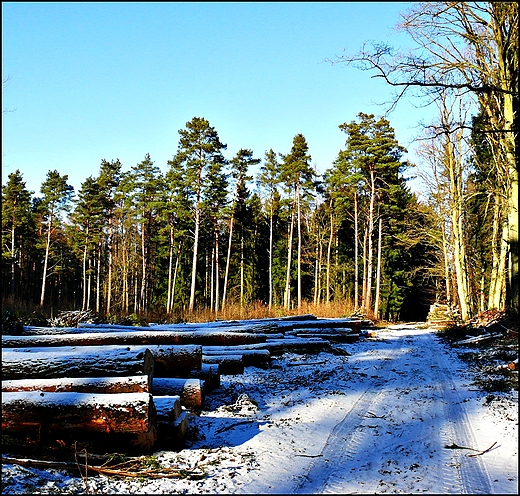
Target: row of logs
139 384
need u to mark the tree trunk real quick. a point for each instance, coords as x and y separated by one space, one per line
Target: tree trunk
299 245
378 276
194 259
126 413
190 391
122 338
271 260
229 364
46 260
33 363
255 358
128 384
287 295
356 254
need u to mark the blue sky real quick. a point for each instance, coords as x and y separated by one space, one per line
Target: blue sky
93 81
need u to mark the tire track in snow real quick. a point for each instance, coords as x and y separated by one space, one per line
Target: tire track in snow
446 421
346 437
472 470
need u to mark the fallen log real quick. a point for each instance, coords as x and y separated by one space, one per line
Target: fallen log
172 434
335 337
169 360
130 384
210 374
78 413
167 407
190 391
118 361
353 324
143 337
229 364
477 339
257 358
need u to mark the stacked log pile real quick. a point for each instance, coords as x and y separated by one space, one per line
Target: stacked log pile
138 385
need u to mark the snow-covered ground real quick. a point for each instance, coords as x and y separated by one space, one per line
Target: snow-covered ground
398 414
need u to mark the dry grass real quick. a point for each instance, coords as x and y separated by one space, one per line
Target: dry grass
236 311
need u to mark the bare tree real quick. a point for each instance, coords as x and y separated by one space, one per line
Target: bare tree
472 48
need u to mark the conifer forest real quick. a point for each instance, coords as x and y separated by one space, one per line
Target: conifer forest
208 231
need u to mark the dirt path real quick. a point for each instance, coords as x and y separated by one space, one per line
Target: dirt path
394 437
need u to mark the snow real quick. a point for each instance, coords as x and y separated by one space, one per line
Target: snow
398 414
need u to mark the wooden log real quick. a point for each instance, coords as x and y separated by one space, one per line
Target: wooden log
354 324
130 384
229 364
256 358
320 330
169 360
191 391
172 434
144 337
210 374
125 413
118 361
478 339
335 337
167 407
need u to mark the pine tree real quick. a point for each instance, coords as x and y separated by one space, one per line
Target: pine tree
17 229
57 195
298 177
198 151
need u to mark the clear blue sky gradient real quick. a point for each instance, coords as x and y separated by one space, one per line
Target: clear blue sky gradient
93 81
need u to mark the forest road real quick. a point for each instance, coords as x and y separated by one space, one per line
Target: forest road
407 431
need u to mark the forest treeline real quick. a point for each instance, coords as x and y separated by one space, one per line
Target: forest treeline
213 231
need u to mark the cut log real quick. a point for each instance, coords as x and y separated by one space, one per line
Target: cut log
169 360
257 358
210 374
130 384
336 337
477 339
118 361
296 345
167 407
191 391
229 364
143 337
353 324
172 434
125 414
513 365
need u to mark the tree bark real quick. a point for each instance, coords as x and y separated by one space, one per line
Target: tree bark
229 364
106 413
129 384
202 337
190 391
40 363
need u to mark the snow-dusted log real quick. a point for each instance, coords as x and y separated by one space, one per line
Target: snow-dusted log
191 391
130 384
229 364
43 363
354 324
477 339
126 413
169 360
167 407
172 434
210 374
337 337
141 337
258 358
